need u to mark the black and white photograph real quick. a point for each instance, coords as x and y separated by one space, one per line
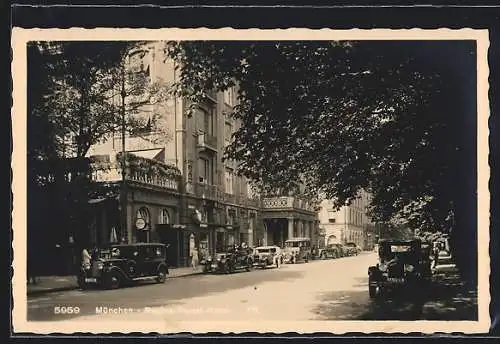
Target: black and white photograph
197 180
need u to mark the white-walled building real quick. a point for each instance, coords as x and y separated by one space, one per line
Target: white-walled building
347 224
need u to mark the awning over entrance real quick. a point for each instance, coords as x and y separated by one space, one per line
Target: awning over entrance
148 153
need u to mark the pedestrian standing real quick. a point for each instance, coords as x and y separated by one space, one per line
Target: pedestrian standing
194 258
277 259
85 258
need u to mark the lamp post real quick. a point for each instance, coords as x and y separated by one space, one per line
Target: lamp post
123 191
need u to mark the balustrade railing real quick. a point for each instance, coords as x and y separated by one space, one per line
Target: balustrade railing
286 202
207 140
206 191
112 173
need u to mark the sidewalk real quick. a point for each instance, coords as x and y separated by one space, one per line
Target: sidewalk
49 284
453 298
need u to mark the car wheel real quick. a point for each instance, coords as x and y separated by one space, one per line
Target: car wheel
162 275
323 255
113 280
81 281
372 289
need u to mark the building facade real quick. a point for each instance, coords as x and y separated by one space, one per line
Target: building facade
287 217
208 206
347 224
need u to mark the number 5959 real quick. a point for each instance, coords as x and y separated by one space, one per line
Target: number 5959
66 310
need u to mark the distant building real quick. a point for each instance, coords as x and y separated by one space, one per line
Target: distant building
347 224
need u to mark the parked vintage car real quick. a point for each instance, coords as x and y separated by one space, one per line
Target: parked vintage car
297 250
331 251
401 264
352 249
342 250
116 265
235 258
265 256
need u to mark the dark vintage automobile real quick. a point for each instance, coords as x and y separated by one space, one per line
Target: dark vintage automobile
401 264
352 249
235 258
331 251
116 265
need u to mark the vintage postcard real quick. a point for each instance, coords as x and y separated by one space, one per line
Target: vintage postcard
225 180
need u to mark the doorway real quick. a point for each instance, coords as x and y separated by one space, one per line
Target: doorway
172 238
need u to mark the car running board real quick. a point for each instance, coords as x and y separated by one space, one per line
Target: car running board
144 278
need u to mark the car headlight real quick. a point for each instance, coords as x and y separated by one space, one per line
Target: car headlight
382 267
409 268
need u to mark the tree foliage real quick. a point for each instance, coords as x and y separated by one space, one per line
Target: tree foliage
342 116
82 92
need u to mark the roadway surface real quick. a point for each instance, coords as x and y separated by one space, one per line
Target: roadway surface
333 289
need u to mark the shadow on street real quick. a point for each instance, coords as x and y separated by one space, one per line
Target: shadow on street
446 298
150 294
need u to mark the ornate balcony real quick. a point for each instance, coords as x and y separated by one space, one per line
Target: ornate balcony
139 170
207 191
286 203
113 174
206 141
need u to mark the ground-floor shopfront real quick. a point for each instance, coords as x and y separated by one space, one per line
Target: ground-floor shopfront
146 209
209 227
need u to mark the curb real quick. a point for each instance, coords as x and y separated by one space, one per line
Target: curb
52 290
75 287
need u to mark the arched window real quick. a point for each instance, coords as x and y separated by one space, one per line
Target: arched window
164 217
143 213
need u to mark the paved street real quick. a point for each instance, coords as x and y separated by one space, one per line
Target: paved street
319 290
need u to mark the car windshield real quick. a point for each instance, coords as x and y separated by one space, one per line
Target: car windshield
351 245
391 251
104 253
265 250
400 248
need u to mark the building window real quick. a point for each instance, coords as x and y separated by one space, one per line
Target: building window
139 63
204 215
229 181
208 122
142 224
331 220
164 217
228 131
143 213
229 96
205 171
230 217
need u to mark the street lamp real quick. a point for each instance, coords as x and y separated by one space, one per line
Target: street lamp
123 191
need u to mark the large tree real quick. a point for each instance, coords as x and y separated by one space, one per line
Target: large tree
385 116
89 88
